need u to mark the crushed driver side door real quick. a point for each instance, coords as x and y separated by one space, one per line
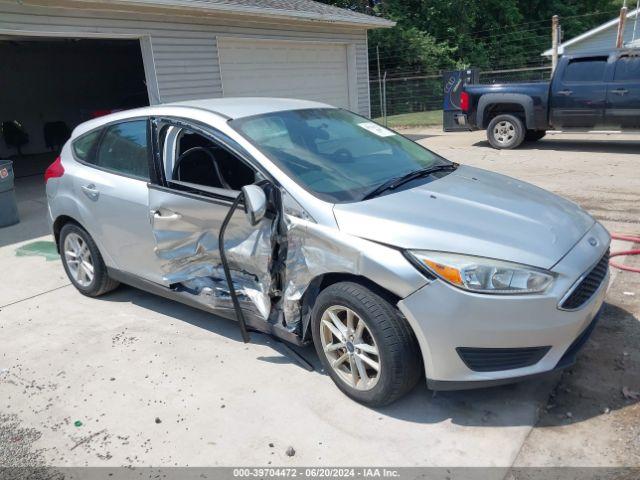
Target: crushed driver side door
186 218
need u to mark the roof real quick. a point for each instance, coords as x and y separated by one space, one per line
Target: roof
292 9
240 107
229 107
590 33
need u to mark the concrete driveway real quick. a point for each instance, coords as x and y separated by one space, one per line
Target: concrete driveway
133 379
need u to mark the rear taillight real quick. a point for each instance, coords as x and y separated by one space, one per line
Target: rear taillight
55 170
464 101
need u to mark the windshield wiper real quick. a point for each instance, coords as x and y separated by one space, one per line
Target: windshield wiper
395 182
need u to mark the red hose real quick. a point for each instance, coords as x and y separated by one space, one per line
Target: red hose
626 238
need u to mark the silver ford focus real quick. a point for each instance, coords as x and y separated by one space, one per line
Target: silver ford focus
313 224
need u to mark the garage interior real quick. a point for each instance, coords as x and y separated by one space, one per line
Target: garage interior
50 85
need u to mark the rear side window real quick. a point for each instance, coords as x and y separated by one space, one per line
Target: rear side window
124 149
585 70
83 146
627 68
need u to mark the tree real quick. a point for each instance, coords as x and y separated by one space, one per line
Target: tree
437 34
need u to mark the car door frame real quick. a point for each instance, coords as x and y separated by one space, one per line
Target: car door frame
219 197
158 178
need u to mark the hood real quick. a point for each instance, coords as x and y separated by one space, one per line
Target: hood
475 212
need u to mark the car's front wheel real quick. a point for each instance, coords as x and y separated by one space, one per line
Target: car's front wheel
83 263
505 131
365 344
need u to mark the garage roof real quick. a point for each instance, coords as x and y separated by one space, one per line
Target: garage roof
294 9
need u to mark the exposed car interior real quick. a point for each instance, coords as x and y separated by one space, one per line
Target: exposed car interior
201 161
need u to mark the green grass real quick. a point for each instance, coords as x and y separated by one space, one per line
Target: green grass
417 119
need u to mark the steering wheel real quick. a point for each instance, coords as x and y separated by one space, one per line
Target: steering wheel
343 155
214 162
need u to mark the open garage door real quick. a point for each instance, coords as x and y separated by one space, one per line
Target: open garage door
50 85
265 68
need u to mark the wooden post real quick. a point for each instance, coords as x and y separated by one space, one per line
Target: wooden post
623 19
379 80
635 22
555 33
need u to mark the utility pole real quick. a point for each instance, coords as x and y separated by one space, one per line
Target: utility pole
555 34
635 22
623 19
380 79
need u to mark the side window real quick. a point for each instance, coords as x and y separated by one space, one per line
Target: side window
202 161
585 70
627 69
124 149
83 146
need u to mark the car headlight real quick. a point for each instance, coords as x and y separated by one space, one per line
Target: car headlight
482 275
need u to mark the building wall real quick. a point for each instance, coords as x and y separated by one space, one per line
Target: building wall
181 58
604 40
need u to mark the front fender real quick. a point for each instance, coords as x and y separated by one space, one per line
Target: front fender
314 250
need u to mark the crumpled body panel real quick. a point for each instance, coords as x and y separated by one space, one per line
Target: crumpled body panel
187 249
189 258
314 250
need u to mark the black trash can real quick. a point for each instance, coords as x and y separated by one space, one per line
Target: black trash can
8 205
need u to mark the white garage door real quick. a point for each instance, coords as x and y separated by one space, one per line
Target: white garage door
264 68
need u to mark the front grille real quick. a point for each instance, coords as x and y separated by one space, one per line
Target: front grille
496 359
588 286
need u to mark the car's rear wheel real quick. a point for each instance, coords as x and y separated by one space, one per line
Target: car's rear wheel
505 131
83 263
365 344
534 135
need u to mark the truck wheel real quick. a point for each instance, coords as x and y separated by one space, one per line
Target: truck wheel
505 132
365 344
534 135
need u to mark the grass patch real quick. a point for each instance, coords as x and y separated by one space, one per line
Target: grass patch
40 249
416 119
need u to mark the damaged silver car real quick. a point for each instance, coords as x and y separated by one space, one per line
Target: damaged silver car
313 224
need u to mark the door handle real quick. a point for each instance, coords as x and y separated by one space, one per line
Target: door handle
565 93
620 91
165 215
90 191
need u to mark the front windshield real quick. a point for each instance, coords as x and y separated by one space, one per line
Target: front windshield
336 155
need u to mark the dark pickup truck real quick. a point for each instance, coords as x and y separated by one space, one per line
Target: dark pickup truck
587 92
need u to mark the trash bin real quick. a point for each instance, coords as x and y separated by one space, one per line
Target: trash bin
8 206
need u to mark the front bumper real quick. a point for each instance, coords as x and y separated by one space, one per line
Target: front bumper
445 318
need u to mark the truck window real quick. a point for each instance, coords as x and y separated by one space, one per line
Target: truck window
627 68
585 70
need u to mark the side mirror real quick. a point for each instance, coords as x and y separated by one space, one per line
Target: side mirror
255 203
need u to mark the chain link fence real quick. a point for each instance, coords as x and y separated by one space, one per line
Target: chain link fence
418 93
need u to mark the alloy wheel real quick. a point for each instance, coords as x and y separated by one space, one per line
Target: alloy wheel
78 258
504 132
350 347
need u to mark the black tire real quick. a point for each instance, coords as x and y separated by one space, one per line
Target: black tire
399 354
534 135
505 132
101 282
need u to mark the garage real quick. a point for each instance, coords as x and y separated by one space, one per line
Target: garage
313 71
67 61
50 85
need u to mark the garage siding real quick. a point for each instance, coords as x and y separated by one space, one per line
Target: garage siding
184 50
